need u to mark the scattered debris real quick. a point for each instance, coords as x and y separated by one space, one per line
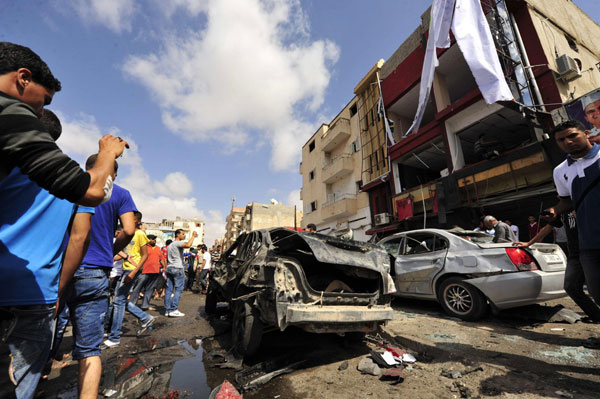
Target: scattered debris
442 337
225 391
393 375
570 354
261 373
473 370
343 366
367 366
455 374
452 374
389 359
563 394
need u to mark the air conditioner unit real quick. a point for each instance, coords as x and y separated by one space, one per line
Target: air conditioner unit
382 218
568 69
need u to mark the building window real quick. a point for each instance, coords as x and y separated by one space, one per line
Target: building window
313 206
311 175
372 118
572 43
353 110
311 146
355 146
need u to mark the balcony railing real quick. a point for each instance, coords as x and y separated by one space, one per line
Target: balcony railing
337 168
338 205
337 134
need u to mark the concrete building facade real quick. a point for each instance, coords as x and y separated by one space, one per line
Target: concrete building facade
165 230
549 55
234 226
263 216
335 160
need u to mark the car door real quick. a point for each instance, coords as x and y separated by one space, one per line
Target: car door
392 246
422 257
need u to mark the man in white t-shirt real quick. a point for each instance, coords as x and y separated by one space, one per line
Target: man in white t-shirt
204 264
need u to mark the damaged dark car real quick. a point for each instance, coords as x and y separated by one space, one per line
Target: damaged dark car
276 278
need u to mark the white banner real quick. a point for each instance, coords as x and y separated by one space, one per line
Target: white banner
473 36
472 33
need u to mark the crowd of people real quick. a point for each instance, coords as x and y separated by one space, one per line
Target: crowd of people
66 233
67 236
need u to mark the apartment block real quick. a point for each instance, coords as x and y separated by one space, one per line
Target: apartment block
332 172
165 230
550 56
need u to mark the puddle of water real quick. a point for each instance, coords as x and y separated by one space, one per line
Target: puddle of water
189 376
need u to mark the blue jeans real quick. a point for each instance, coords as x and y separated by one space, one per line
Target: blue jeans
120 302
175 278
144 283
29 344
87 299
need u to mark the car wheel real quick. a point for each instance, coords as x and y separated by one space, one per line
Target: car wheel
246 329
210 303
461 300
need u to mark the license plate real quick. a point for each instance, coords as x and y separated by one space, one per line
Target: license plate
552 258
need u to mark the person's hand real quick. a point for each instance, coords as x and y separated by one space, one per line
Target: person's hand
129 277
520 244
549 215
194 233
115 145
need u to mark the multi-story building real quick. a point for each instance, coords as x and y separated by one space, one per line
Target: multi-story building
234 226
333 166
165 230
262 216
550 55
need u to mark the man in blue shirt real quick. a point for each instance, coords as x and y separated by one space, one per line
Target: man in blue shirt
577 182
30 270
87 294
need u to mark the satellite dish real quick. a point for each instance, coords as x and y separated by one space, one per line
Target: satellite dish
274 201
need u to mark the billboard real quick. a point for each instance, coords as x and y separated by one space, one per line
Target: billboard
586 109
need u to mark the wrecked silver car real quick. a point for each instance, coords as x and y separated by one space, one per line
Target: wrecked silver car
464 270
279 278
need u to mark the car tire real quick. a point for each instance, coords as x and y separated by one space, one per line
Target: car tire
247 329
462 300
210 303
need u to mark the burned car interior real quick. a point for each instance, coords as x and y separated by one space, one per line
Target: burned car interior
279 277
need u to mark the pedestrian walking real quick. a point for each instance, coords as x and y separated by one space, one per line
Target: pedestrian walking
533 227
135 257
175 272
577 183
150 274
87 295
204 267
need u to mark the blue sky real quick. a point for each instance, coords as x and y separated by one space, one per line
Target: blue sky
217 96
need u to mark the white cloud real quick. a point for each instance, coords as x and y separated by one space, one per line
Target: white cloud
156 199
252 71
115 15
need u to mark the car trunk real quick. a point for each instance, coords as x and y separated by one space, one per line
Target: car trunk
549 257
333 265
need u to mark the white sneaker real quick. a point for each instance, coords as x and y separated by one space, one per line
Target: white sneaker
167 313
110 344
176 313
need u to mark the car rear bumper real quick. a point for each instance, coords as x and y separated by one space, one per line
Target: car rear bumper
315 318
510 290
